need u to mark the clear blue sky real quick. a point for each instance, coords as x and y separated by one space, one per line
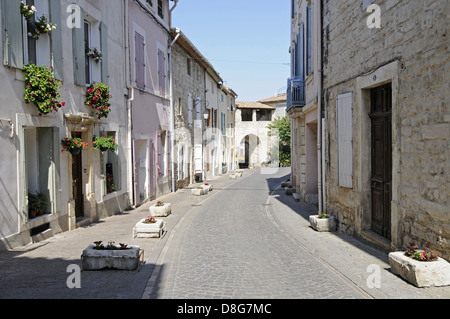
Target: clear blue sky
247 41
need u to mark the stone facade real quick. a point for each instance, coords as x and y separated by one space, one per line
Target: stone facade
409 52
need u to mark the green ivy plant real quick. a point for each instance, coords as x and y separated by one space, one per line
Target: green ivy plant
97 97
105 143
42 88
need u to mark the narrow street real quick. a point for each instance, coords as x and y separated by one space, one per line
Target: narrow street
230 247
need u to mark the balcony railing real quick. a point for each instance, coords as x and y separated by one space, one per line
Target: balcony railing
295 93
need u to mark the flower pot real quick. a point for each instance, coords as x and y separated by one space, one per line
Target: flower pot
161 211
32 213
75 151
103 149
322 224
199 191
143 230
126 259
420 273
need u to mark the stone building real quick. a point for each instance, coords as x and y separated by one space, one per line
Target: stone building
252 135
148 34
79 188
201 111
386 95
304 103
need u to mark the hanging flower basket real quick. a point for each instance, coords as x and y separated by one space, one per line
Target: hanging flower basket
73 145
105 143
27 11
94 54
42 89
97 97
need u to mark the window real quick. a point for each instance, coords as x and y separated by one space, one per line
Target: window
111 168
222 123
160 9
41 160
150 3
188 66
263 115
37 50
87 45
246 115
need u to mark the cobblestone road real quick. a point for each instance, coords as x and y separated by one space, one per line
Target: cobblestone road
228 247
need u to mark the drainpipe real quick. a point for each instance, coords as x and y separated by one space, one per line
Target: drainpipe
320 133
172 107
129 103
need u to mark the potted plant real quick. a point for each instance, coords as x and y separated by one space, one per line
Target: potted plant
94 54
98 256
42 26
104 143
41 204
322 222
27 11
32 205
74 145
160 209
149 228
97 97
42 88
420 267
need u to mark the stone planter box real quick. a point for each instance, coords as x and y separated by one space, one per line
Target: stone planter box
286 184
322 224
161 211
420 273
289 190
143 230
127 259
207 187
199 191
239 174
232 176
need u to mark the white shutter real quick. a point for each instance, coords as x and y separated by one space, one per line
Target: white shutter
344 139
198 158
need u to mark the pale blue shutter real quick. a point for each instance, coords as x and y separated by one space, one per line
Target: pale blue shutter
139 60
56 39
300 65
344 139
104 49
12 34
79 53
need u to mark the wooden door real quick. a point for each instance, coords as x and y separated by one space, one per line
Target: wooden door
77 182
381 176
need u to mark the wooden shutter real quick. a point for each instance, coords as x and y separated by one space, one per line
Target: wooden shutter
158 154
104 49
161 72
344 139
308 39
56 39
12 34
79 53
300 53
198 111
139 60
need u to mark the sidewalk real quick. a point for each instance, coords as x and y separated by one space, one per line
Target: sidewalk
40 270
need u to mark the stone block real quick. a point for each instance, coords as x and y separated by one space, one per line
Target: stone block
289 190
296 197
161 211
143 230
420 273
126 259
322 224
199 191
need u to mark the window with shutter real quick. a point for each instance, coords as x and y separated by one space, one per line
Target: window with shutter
190 109
12 34
162 72
308 39
344 138
140 60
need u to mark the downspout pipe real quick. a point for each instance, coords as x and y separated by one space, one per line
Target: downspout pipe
172 108
320 133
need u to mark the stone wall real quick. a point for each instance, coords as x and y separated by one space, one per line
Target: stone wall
410 50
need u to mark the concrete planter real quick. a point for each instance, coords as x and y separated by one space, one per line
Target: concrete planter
127 259
239 174
289 190
420 273
233 176
323 224
143 230
207 187
161 211
199 191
